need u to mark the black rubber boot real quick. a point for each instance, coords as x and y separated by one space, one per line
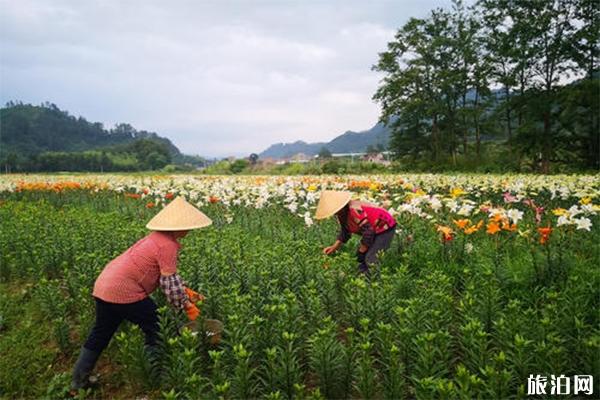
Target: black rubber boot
363 269
83 368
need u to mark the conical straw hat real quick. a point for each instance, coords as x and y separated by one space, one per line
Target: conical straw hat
331 201
179 215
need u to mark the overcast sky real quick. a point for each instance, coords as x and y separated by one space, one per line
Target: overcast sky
216 77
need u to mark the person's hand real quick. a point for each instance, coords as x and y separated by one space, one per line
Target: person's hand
193 295
192 311
330 250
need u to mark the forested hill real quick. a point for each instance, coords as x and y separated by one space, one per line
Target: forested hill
28 130
348 142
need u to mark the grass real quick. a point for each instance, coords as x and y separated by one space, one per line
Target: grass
28 356
31 363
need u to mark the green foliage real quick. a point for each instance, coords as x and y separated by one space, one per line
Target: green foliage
326 356
141 154
25 348
439 71
59 386
435 322
343 165
324 153
218 168
333 167
238 166
45 138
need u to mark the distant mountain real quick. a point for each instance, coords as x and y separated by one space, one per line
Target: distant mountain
28 130
348 142
285 150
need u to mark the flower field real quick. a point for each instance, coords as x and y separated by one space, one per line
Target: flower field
490 279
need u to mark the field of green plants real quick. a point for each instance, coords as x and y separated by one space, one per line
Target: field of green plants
490 279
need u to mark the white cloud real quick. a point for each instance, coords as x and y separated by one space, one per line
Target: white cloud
216 77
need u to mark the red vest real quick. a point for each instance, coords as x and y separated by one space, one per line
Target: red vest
378 218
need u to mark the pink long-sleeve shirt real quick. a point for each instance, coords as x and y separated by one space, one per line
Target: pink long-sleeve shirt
135 274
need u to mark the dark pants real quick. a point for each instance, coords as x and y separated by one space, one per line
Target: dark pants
110 315
382 242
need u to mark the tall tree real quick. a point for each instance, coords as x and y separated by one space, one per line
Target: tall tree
551 25
499 45
324 153
584 109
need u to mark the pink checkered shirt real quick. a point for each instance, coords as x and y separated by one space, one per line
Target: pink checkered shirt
135 274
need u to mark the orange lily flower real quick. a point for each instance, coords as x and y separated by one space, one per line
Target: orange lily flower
493 228
462 223
472 229
508 226
497 218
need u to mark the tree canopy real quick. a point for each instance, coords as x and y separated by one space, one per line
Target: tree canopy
46 138
517 76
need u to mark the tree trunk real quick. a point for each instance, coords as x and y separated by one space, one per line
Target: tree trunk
464 127
508 118
594 142
453 136
477 140
594 134
477 130
454 157
522 93
434 136
547 144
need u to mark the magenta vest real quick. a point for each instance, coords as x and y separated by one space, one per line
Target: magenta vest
378 218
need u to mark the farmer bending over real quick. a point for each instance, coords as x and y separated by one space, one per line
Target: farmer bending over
374 224
122 290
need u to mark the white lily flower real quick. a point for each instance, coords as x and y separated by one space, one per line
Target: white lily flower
307 219
514 215
563 220
574 210
465 210
583 223
435 204
468 248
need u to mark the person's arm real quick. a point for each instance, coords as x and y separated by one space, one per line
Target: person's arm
333 248
171 283
174 289
368 236
344 235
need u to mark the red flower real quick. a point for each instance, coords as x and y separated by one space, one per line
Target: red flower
150 205
446 232
169 196
544 234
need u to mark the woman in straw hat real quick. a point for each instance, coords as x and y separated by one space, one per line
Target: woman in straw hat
122 290
374 224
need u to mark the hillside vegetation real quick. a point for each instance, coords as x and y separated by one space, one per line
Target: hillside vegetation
46 138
